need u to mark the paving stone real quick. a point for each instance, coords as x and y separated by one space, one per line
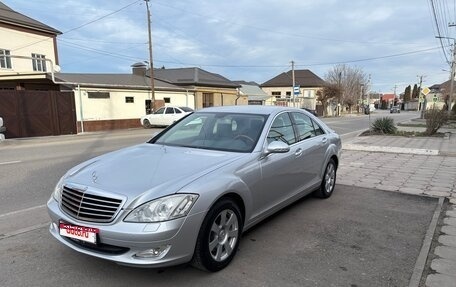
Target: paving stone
448 240
410 190
444 266
451 213
437 193
446 252
453 200
449 221
387 187
370 181
438 188
440 280
449 230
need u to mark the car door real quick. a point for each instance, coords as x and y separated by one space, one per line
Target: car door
156 117
313 142
280 171
168 116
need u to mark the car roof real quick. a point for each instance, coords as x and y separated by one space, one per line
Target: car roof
248 109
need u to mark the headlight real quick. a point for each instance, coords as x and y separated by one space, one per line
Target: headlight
163 209
57 194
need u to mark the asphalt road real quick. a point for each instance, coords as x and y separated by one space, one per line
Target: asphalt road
358 123
358 237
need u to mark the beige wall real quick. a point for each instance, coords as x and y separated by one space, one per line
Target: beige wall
222 97
306 98
24 44
115 108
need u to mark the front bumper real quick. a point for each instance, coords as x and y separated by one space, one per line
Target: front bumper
121 241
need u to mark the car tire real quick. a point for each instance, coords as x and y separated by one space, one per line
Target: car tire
219 236
147 124
328 181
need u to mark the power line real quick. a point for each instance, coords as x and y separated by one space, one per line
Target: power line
303 65
101 18
438 29
83 25
112 54
269 30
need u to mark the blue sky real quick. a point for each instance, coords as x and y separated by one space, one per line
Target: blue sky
254 40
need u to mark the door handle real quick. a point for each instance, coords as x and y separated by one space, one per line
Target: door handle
324 140
298 152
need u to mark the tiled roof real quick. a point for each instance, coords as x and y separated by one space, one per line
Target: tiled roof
303 78
193 77
11 17
121 80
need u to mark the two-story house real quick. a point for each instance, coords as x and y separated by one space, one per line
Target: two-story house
280 88
27 47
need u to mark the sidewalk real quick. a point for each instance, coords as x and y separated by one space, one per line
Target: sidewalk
415 165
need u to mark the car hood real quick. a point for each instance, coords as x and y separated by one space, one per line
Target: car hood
149 170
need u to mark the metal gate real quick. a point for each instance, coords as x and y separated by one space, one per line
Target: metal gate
37 113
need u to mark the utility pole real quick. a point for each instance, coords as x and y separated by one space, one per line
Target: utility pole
293 78
423 107
151 63
450 96
395 96
340 93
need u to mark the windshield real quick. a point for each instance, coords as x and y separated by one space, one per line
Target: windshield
185 109
215 131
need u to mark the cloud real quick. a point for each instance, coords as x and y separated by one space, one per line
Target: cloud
249 40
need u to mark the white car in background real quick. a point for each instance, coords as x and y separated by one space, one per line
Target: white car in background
165 116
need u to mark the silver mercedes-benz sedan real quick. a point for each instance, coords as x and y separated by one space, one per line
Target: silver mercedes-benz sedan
189 193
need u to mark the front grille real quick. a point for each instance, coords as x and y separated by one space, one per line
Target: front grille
89 207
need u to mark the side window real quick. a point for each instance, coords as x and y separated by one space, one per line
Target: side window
160 111
304 126
318 129
177 111
169 111
282 130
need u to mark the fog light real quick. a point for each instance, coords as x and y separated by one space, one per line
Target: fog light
154 252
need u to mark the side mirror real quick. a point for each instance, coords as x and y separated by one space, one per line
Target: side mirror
276 147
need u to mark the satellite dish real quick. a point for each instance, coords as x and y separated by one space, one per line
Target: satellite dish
57 68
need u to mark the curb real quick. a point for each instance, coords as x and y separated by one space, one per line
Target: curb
388 149
420 263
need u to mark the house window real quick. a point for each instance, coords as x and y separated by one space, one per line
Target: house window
167 100
208 100
98 95
5 60
276 93
308 93
38 63
288 94
129 99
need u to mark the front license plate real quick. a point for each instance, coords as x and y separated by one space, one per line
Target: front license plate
87 234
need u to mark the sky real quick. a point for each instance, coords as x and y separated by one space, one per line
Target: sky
392 41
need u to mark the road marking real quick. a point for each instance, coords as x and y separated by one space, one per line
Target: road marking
22 210
10 162
23 230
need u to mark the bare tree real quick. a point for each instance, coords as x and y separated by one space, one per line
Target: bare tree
351 82
329 92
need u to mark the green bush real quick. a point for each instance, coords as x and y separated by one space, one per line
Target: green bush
384 125
435 119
